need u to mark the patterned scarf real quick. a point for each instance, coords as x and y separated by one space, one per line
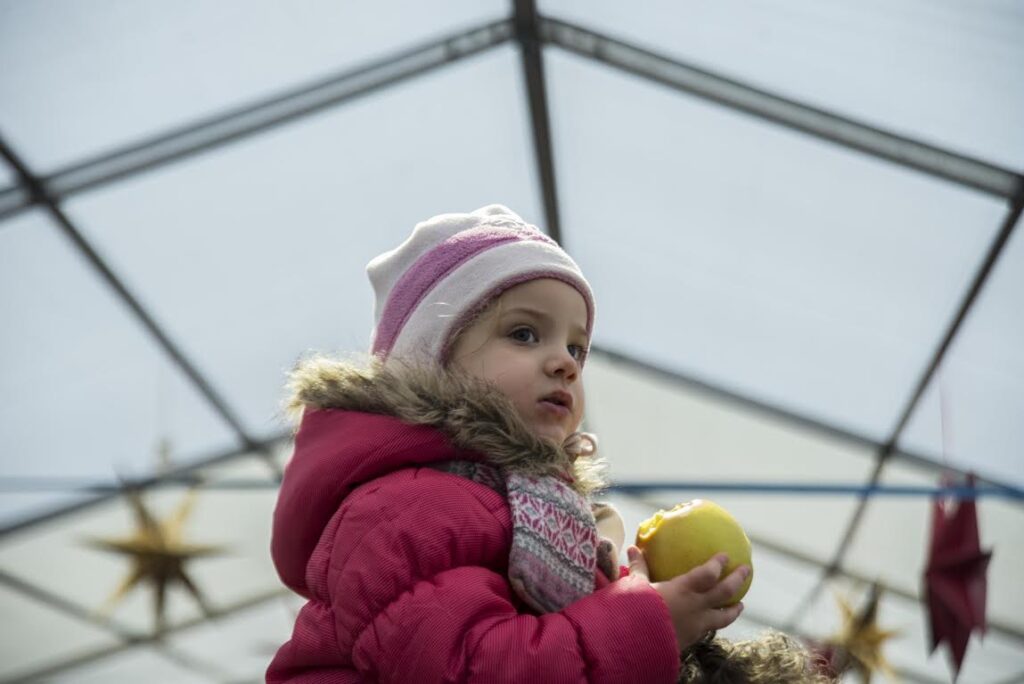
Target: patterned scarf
555 545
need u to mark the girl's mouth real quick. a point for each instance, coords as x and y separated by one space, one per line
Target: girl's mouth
555 408
558 403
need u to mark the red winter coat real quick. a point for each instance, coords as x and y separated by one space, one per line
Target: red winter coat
405 566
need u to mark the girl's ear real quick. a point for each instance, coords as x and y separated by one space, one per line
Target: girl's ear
580 444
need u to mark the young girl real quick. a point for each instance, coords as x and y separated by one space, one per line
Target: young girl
436 513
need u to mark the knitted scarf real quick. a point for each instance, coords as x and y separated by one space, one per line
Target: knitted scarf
555 545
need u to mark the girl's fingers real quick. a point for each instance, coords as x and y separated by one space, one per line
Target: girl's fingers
637 564
725 589
705 577
723 617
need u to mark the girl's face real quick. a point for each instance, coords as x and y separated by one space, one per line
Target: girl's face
531 345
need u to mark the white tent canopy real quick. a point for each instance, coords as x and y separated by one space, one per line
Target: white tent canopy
799 218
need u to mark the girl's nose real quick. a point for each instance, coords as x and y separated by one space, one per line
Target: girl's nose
561 362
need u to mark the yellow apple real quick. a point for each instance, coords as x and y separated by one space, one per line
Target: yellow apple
676 541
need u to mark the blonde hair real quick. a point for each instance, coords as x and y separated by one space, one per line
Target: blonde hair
772 658
492 309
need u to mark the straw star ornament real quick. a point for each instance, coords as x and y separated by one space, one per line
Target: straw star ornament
159 553
858 645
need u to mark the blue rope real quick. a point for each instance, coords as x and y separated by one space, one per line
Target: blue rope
14 484
863 490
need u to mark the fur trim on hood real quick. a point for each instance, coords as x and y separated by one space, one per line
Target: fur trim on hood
472 414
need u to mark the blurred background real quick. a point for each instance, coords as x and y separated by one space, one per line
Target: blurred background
800 219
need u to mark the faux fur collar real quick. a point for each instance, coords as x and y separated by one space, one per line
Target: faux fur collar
470 412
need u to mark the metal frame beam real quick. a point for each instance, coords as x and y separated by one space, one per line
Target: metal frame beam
41 195
819 123
131 640
127 635
527 25
889 447
242 122
183 472
786 416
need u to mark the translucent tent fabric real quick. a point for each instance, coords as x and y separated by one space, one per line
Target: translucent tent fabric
249 330
350 191
982 376
768 300
741 281
931 70
167 68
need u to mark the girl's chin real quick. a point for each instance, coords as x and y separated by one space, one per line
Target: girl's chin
551 434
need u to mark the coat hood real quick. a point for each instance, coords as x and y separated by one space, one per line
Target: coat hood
361 422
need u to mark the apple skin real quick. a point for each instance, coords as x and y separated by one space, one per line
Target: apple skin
676 541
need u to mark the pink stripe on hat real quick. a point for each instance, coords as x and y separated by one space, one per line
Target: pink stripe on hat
451 266
433 267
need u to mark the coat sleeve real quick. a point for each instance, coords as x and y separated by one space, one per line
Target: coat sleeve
418 590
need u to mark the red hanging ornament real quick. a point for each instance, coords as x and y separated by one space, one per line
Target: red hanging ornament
955 578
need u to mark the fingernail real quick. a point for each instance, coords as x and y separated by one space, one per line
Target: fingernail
744 572
631 553
723 559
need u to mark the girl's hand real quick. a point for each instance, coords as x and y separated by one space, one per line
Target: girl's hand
694 600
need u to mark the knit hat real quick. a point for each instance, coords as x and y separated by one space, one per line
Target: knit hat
449 269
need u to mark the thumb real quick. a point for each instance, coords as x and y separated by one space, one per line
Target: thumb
637 563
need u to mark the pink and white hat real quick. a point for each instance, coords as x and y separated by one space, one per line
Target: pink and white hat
449 269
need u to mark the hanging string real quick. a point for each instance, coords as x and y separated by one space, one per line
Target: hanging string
163 448
948 479
945 430
945 438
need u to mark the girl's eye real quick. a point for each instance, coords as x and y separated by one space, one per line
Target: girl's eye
523 334
577 352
